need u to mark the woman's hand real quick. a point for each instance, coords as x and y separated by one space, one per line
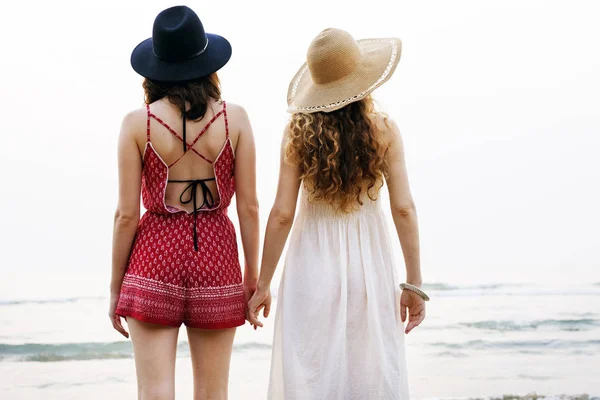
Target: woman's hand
416 309
249 289
261 299
114 318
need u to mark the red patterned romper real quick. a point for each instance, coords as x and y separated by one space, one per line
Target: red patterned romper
184 267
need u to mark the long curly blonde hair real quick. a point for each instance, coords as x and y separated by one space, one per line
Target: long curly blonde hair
340 154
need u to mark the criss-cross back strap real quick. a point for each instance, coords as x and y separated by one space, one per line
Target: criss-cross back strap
213 119
160 121
148 123
191 146
226 121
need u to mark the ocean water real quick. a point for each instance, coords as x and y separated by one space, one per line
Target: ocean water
479 341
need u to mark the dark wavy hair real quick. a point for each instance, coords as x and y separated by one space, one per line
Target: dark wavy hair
340 154
198 92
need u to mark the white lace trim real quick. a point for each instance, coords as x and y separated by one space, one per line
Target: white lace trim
383 76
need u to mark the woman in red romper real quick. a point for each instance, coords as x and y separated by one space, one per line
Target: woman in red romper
186 152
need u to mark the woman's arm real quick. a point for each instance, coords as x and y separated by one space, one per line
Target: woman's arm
278 228
127 214
247 202
405 219
403 207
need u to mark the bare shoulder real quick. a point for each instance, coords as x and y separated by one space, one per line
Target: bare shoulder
236 113
388 128
239 122
134 124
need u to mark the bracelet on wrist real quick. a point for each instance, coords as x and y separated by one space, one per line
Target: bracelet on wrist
415 289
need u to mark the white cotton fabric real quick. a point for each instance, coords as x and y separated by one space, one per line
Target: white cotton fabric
338 333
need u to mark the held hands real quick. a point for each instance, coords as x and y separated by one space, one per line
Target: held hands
416 309
249 289
114 318
260 300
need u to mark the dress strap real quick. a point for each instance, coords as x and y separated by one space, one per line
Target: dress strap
190 146
203 131
148 123
163 123
226 121
195 151
184 131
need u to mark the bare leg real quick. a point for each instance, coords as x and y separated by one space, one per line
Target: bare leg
211 355
154 348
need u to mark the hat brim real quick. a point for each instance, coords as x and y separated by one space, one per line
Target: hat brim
147 64
379 61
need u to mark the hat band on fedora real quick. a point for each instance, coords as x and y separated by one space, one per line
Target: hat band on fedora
381 79
187 58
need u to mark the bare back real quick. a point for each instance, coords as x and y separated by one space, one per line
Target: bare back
206 138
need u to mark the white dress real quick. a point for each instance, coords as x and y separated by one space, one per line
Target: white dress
338 333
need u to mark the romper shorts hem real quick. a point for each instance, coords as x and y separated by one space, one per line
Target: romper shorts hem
158 321
156 302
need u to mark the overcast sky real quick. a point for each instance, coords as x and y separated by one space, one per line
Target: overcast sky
498 102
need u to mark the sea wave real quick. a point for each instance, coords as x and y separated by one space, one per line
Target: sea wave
48 301
41 352
436 289
447 286
524 346
508 289
570 325
531 396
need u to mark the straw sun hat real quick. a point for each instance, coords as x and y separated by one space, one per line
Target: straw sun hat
340 70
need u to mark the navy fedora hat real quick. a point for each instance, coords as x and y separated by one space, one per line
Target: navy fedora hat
179 49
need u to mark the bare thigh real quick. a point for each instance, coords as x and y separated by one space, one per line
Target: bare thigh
154 348
211 355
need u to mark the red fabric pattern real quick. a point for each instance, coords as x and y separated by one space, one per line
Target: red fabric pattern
167 282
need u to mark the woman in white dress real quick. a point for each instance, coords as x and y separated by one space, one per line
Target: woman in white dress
340 312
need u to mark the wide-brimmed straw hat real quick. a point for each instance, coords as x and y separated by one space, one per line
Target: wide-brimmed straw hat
340 70
179 49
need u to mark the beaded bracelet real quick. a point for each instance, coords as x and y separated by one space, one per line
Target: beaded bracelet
415 289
